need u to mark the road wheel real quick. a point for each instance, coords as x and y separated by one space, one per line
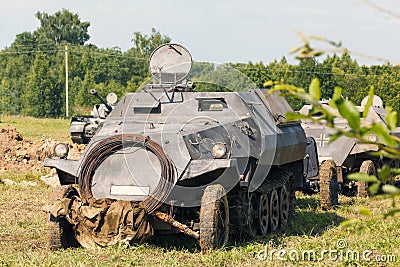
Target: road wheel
263 214
253 215
274 210
328 186
362 186
214 218
61 234
284 205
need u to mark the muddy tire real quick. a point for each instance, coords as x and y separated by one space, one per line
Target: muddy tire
328 185
253 224
362 186
243 214
61 234
284 205
214 218
263 214
238 212
274 208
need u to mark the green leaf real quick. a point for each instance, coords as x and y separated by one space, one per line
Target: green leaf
384 172
395 170
369 102
391 118
303 38
374 188
382 132
364 211
350 222
391 189
337 95
315 90
349 112
268 83
295 49
359 176
291 116
318 38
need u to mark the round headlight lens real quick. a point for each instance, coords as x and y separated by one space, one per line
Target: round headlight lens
219 150
61 150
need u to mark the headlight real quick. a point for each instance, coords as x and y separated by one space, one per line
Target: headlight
61 150
218 150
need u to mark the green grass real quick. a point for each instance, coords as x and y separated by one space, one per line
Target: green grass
34 128
23 240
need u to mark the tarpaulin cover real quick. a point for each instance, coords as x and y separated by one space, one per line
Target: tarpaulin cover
102 222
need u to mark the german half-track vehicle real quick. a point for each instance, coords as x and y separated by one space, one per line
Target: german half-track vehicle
83 127
214 165
346 155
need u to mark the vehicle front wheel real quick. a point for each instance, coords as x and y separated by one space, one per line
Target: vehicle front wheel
362 186
61 234
328 185
214 218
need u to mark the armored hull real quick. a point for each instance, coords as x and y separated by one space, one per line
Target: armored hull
194 156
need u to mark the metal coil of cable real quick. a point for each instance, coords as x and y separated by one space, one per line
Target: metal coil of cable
103 148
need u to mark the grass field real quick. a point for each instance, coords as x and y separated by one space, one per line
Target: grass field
35 128
23 239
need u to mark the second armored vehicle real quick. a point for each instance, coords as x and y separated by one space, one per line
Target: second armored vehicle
346 155
83 127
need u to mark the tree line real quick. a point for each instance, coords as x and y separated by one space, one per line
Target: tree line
32 70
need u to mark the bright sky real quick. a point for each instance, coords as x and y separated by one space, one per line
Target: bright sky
225 30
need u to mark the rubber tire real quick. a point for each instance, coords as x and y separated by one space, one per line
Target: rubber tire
328 185
274 208
61 234
214 228
239 211
367 167
253 226
284 205
263 215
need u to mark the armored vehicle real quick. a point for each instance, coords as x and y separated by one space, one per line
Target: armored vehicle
214 165
83 127
346 155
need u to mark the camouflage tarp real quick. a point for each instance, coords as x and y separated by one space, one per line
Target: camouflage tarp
102 222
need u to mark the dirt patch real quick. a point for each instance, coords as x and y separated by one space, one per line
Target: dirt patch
18 154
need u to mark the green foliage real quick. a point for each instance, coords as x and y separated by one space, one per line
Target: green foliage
145 44
388 144
217 78
42 95
63 26
113 69
27 80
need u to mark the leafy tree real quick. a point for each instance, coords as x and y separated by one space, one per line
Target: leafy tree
12 82
83 97
144 45
42 97
63 26
137 57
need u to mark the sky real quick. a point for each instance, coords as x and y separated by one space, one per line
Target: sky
226 30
